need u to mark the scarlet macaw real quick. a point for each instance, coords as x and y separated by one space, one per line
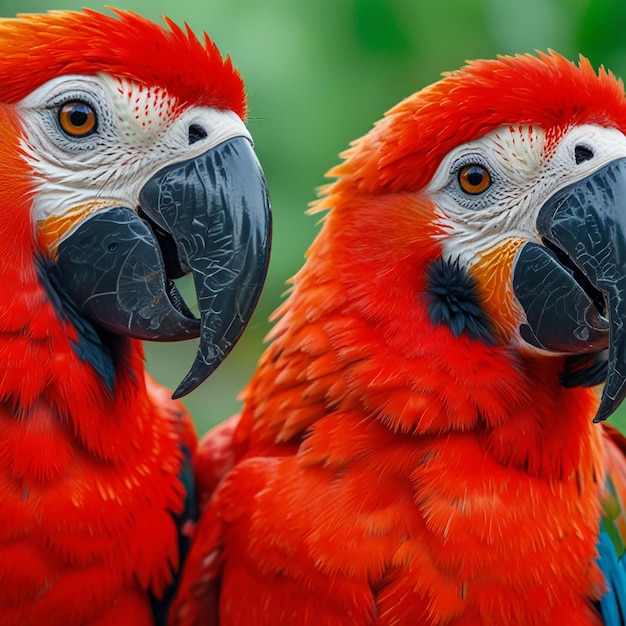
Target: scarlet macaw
417 445
125 164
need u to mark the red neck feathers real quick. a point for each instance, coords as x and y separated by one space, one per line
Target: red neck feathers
355 334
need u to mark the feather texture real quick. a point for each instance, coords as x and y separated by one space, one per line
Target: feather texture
96 481
44 46
390 467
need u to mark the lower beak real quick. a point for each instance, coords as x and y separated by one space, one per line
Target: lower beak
582 273
209 216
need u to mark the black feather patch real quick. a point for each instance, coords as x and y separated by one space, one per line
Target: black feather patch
585 370
90 347
453 300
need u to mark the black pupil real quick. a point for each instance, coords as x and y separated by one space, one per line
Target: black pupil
475 175
79 115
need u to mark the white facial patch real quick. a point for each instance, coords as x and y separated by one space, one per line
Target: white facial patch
525 169
142 113
138 132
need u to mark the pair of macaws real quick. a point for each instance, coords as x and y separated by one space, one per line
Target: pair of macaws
418 443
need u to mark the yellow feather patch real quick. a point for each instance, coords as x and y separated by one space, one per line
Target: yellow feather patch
493 273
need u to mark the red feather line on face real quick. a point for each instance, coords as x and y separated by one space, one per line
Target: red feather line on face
545 90
38 48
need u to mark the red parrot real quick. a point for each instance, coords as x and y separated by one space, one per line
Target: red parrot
417 445
125 165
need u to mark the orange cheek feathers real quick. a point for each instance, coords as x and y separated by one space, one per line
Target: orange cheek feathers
494 276
54 228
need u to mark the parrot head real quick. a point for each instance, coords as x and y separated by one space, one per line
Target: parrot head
140 171
498 194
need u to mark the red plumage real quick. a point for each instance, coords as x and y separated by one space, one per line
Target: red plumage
385 470
91 475
88 478
39 47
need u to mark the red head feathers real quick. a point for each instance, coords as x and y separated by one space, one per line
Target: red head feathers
38 48
546 90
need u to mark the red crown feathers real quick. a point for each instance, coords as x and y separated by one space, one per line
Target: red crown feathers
35 48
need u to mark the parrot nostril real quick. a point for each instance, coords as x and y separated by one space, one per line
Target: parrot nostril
582 153
196 133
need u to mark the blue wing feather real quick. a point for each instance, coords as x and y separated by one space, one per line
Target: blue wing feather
611 541
612 604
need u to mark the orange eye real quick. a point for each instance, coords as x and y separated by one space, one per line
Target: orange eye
474 179
77 119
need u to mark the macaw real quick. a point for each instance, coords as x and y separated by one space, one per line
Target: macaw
420 442
125 165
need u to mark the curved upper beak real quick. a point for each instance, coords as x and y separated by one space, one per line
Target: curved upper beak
573 288
210 216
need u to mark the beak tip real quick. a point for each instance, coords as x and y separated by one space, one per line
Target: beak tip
608 405
188 384
179 393
201 369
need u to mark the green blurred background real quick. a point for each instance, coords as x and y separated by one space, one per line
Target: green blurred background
318 75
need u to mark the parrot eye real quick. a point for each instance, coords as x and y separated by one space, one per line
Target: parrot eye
474 179
77 119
